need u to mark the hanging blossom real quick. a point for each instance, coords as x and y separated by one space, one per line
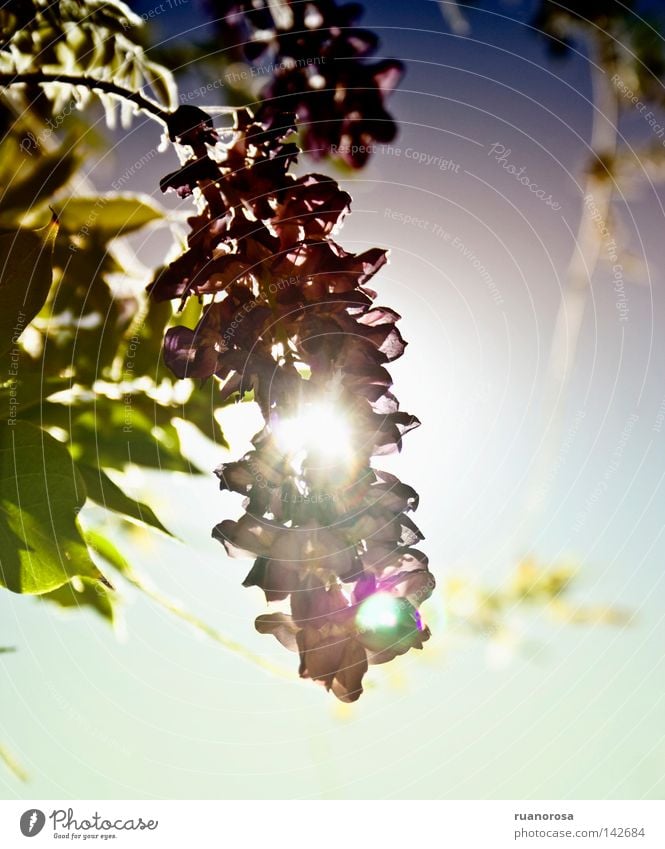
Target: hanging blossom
288 316
317 60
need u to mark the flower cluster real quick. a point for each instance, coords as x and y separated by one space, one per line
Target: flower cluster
288 315
319 69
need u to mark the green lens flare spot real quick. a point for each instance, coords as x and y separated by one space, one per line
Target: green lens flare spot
377 612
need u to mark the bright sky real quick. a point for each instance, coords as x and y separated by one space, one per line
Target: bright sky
477 259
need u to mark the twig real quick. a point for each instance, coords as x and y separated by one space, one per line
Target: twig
583 262
454 17
208 630
11 764
43 78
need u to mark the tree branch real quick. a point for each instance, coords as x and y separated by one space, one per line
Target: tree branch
41 78
584 260
12 765
203 627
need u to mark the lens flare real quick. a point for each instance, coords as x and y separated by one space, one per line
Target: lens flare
320 428
381 610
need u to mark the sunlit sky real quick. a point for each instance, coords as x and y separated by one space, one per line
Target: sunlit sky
566 711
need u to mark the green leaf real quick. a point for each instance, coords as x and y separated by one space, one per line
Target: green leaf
83 592
41 494
109 215
30 388
140 350
114 433
162 83
199 410
26 273
82 317
106 549
103 491
46 174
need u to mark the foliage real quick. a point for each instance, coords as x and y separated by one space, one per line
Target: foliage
630 42
96 38
81 381
487 611
41 498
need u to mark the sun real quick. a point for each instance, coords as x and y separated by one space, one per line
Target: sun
378 611
319 428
